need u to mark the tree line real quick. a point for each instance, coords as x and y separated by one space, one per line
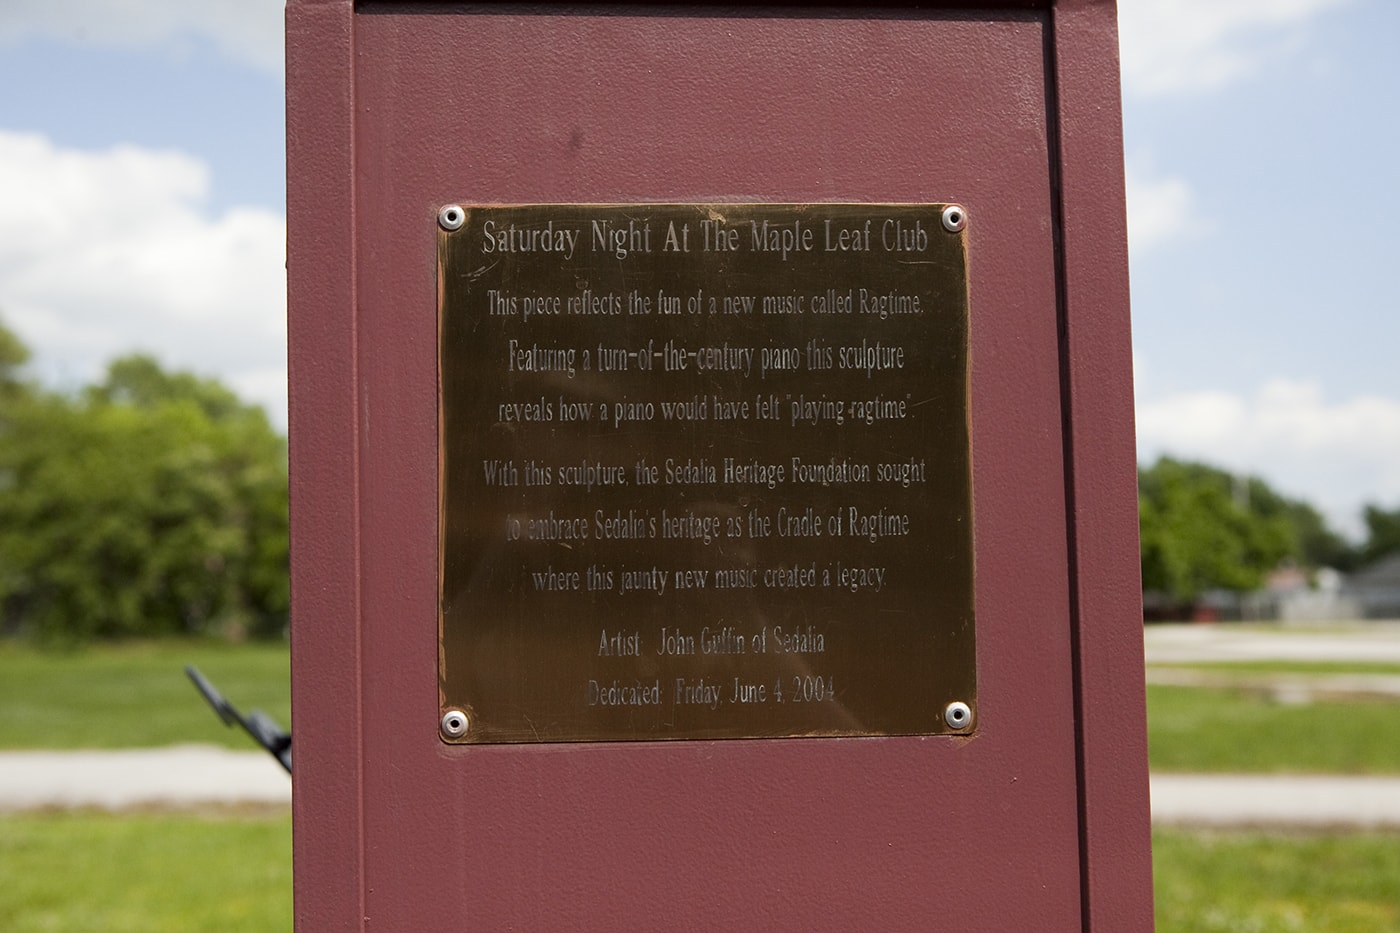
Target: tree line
154 503
151 503
1204 528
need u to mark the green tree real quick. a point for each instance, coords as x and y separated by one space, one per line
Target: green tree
1319 545
1382 532
246 458
14 394
139 382
13 356
1313 543
153 503
1204 528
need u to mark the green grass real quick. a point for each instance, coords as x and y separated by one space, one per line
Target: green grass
1197 729
134 695
1260 883
147 873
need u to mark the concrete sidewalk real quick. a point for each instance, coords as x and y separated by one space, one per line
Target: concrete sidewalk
193 776
1318 801
1174 643
179 777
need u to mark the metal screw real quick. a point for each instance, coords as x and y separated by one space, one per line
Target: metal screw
954 218
452 217
958 715
454 724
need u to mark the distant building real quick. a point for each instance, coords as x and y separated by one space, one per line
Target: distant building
1376 588
1210 606
1289 596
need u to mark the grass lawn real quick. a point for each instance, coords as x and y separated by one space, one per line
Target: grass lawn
1243 883
135 695
1197 729
147 873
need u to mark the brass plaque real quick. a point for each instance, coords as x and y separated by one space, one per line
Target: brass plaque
705 472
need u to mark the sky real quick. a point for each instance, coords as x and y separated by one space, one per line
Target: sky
142 208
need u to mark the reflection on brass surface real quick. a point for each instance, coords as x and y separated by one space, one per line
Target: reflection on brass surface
705 471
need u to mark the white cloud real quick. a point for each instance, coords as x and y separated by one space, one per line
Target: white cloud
1335 454
1159 209
1173 46
109 252
247 31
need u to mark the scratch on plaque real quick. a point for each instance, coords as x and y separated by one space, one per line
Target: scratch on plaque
922 402
477 273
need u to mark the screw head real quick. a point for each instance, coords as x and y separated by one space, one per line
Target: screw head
954 218
958 715
454 724
451 217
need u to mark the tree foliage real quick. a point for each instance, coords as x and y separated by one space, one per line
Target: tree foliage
1204 528
152 503
13 356
1382 533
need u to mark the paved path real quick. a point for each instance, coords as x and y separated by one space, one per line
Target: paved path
183 776
1265 801
1345 642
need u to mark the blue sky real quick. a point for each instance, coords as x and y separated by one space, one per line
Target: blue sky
142 206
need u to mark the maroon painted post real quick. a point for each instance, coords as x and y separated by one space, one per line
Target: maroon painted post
1102 492
1039 819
